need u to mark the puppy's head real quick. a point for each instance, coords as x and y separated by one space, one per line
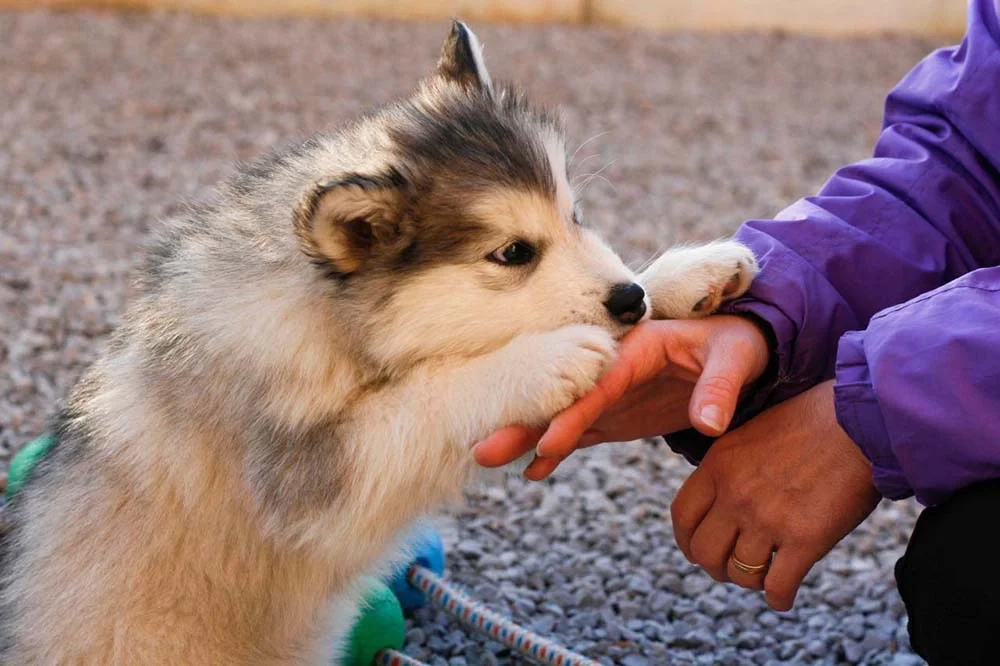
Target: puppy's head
461 230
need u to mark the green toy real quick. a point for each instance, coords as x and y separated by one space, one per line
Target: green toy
380 626
25 461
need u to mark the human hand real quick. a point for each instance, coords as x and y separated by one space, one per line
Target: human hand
669 375
789 482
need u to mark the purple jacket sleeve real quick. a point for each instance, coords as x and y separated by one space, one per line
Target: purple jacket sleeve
919 389
923 211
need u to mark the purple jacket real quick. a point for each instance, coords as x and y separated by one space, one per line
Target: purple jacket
889 281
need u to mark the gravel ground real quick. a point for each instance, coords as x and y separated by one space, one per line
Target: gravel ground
110 120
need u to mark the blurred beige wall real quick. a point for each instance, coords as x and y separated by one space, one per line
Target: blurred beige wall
833 17
824 17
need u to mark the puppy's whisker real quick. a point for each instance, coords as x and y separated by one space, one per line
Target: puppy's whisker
601 170
649 261
590 176
586 159
593 138
599 176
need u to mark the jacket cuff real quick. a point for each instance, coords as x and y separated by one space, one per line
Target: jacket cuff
860 416
689 443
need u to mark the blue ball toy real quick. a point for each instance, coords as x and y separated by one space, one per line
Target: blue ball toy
428 552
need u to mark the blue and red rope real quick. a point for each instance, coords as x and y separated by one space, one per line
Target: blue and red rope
473 614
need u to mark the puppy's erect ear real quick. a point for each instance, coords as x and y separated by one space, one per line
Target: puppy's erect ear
462 58
342 223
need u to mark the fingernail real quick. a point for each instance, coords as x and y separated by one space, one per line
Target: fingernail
711 415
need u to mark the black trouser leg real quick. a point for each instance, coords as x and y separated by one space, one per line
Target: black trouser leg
949 579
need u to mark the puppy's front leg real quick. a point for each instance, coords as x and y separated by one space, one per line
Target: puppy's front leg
692 282
527 381
531 379
444 408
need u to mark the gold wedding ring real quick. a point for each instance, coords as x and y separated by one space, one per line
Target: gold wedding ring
751 569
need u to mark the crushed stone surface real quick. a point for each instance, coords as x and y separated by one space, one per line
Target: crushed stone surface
110 121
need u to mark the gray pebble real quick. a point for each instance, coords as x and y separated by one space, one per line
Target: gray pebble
639 584
524 606
817 648
659 602
696 584
635 660
552 609
874 641
868 606
852 650
840 597
439 644
585 619
415 636
670 582
699 638
543 624
853 626
713 607
749 639
768 619
531 540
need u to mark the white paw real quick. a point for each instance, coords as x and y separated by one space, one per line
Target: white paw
687 283
727 274
561 366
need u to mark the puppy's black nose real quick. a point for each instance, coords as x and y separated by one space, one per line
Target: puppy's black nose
625 302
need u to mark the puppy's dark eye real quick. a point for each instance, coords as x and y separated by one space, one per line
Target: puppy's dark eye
516 253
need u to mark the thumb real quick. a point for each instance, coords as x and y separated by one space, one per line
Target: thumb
717 391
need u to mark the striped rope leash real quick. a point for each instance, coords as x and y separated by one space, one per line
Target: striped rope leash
394 658
473 614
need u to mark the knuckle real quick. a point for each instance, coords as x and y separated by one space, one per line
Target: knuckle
770 519
718 387
682 518
699 555
778 596
718 575
742 505
708 557
806 535
772 524
741 496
